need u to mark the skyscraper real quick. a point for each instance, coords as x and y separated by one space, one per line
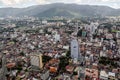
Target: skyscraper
74 49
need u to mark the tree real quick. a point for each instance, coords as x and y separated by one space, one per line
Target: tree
68 54
79 34
74 73
45 58
45 30
63 63
14 40
22 53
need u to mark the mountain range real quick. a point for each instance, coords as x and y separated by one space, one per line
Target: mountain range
61 9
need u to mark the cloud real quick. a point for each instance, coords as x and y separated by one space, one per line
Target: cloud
21 2
16 2
41 1
115 5
11 2
104 0
78 1
108 0
24 3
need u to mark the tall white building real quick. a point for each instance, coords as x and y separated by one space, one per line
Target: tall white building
93 27
57 37
74 49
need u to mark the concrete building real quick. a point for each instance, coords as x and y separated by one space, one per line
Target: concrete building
75 49
93 27
103 75
36 60
44 22
118 34
56 37
45 75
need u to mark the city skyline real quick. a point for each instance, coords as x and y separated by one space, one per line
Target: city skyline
26 3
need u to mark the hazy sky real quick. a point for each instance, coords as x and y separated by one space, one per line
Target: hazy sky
25 3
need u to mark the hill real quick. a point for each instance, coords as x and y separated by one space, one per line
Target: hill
61 9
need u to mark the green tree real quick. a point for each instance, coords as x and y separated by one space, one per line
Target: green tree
68 54
79 34
63 63
22 53
45 58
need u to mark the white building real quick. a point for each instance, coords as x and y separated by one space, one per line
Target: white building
118 34
45 75
13 35
57 37
44 22
111 75
103 75
93 27
109 36
36 60
74 49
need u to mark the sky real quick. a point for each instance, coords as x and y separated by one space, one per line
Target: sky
26 3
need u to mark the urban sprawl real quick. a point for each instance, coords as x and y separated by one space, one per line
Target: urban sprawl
59 48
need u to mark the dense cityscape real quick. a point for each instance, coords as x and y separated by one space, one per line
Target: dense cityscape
59 48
